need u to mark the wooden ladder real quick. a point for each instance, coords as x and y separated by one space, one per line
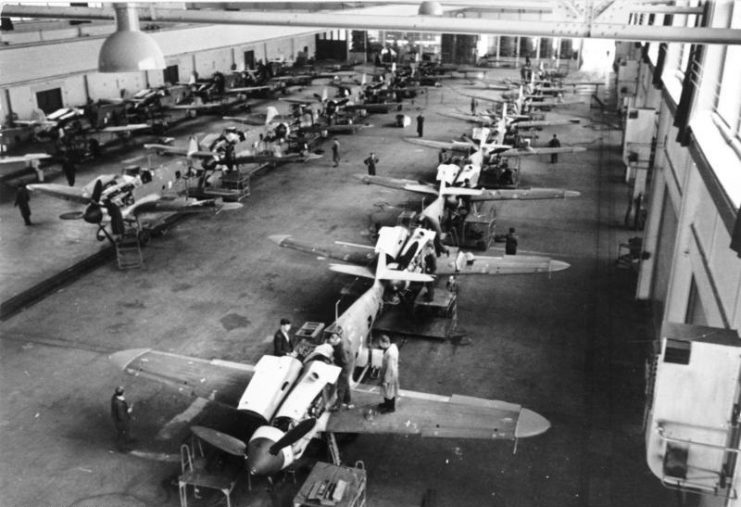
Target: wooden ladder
129 252
334 449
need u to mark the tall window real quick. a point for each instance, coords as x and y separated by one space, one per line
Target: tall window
728 104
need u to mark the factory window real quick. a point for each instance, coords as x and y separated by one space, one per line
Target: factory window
677 351
728 101
171 74
695 311
49 100
249 59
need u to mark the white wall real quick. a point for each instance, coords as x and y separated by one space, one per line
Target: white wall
68 64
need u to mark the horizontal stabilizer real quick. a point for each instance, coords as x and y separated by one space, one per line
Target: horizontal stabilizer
404 276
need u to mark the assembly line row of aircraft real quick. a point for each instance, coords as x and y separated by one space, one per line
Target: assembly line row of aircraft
289 399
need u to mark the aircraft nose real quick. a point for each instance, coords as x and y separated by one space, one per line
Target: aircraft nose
259 460
571 193
530 424
93 214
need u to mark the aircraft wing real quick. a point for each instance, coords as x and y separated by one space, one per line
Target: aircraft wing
486 99
401 184
431 415
529 152
429 143
466 117
166 148
341 252
33 123
177 205
216 380
520 194
126 128
74 194
176 150
28 157
247 89
245 119
552 103
466 263
544 123
304 102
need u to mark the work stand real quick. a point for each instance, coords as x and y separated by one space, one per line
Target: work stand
128 250
435 318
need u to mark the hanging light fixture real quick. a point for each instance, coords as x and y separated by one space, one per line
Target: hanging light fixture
128 49
427 8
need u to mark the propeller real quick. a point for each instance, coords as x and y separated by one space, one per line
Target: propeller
93 213
293 435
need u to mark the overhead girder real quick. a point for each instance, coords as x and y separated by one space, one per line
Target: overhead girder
358 21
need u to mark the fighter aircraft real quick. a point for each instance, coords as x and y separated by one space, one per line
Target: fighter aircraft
489 119
460 197
119 199
221 149
290 399
495 147
523 104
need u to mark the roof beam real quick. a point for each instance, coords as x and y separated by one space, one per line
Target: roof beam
666 9
358 21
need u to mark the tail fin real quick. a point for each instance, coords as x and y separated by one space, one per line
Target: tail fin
272 112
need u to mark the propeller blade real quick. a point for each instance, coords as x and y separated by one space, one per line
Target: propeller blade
72 215
117 222
226 443
97 191
293 435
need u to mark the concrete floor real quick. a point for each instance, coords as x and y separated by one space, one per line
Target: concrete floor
571 347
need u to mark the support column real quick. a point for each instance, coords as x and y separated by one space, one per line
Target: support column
652 230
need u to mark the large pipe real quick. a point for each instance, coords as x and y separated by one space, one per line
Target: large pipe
358 21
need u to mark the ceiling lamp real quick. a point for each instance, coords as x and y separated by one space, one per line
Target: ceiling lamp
430 9
128 49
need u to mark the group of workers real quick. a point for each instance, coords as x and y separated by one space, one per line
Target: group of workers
338 349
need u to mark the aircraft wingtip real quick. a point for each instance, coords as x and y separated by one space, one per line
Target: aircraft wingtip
279 238
123 358
558 266
531 424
